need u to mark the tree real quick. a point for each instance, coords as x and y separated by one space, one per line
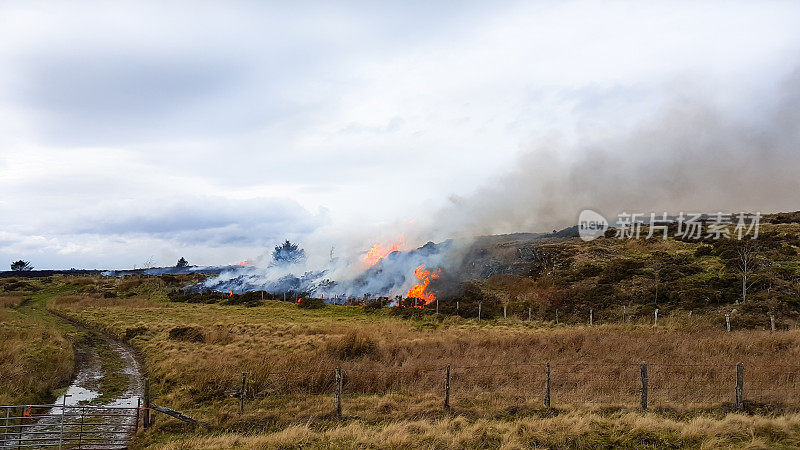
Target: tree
182 263
21 266
747 262
288 253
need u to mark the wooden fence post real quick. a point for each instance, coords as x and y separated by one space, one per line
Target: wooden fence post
623 315
772 323
739 386
728 322
529 314
337 396
242 393
655 317
479 311
547 388
447 388
456 305
556 316
146 415
644 386
591 317
437 305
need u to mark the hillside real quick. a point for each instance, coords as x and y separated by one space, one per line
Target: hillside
610 275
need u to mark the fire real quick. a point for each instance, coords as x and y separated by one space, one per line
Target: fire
425 277
230 293
243 263
380 251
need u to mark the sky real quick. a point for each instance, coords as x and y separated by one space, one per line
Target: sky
134 133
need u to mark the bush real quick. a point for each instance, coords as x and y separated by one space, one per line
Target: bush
249 299
196 297
376 304
311 303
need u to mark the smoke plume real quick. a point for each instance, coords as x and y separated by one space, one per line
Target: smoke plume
689 157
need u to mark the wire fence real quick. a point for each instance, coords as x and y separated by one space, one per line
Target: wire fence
497 387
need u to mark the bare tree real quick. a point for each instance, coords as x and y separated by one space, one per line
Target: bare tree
747 262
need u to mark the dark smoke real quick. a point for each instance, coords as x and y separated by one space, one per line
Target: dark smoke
687 157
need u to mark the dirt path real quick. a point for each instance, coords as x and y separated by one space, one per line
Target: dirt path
107 375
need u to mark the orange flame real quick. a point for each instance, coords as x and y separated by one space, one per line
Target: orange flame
230 293
425 277
243 263
380 251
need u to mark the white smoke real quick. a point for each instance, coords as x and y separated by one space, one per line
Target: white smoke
690 156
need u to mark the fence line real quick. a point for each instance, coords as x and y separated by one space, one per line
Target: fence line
635 385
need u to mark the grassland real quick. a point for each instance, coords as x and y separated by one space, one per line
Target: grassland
394 374
36 348
394 360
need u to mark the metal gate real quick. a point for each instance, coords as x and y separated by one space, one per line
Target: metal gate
67 427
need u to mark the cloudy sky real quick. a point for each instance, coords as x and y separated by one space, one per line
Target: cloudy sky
145 131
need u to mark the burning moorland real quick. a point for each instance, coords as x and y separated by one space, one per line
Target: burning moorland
504 320
399 225
527 275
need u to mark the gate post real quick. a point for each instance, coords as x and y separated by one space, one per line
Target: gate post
63 411
138 407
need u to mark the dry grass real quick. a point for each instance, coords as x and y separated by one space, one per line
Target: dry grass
394 376
97 300
574 430
36 354
394 368
12 300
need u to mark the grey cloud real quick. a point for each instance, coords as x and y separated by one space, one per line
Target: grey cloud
207 220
